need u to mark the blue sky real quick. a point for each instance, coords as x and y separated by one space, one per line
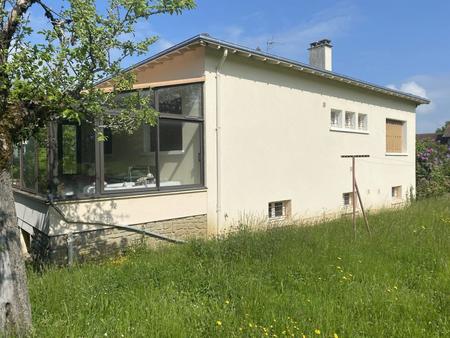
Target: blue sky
401 44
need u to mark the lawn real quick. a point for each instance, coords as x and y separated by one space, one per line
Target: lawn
313 281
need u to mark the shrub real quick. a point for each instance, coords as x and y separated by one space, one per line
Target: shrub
432 169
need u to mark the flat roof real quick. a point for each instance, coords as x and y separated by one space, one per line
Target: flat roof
207 40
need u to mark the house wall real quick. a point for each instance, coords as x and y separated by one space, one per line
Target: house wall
126 210
277 144
91 244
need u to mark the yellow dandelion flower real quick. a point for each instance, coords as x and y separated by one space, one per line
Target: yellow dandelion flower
317 331
227 302
335 335
219 323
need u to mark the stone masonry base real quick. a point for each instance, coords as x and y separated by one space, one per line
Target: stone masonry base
83 246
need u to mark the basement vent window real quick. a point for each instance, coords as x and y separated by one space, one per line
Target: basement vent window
279 210
347 198
396 192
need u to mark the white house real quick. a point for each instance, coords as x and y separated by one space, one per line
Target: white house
241 132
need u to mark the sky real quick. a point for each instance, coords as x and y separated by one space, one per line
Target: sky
397 43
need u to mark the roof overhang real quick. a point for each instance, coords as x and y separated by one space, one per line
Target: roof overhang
208 41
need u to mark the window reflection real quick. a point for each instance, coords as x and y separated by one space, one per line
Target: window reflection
76 153
60 162
130 162
181 100
181 163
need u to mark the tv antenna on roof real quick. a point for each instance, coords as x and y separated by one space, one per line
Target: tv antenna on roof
270 43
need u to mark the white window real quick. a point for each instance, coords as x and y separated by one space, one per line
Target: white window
349 120
347 198
396 192
336 118
362 121
279 210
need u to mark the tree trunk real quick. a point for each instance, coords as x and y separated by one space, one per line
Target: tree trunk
15 311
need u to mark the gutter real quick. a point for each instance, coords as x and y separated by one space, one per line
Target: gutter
219 140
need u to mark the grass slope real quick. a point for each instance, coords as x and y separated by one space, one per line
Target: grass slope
315 281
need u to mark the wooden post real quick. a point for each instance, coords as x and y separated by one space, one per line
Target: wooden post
362 209
353 197
355 191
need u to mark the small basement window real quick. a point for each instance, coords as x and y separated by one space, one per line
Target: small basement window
349 120
347 198
279 210
336 118
396 192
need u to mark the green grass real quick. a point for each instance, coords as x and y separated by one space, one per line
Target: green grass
289 281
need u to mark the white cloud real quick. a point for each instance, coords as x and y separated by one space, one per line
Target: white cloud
162 44
294 41
413 88
436 87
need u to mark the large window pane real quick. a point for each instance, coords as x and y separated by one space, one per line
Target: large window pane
42 159
15 167
180 154
30 148
181 100
69 149
76 153
130 160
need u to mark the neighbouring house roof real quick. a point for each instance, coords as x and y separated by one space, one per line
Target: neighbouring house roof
428 136
207 40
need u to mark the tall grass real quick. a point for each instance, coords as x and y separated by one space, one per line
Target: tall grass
313 281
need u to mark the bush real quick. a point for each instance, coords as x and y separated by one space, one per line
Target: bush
432 169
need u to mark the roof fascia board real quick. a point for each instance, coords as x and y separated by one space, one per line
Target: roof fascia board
206 40
312 70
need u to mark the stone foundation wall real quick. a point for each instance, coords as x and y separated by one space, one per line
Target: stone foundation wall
111 241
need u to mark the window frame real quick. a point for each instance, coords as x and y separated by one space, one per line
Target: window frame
339 118
404 126
397 190
353 120
341 127
285 208
162 116
53 155
365 124
20 184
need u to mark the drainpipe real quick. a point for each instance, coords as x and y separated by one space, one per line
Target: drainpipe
218 140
